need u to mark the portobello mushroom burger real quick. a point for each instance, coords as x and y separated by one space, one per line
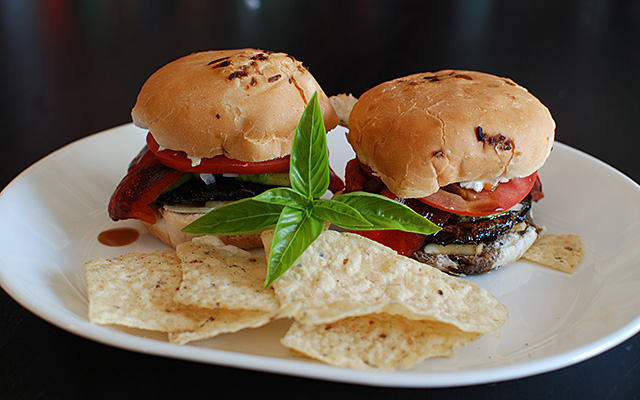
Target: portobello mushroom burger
463 149
220 128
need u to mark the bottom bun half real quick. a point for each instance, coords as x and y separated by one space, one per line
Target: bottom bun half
169 224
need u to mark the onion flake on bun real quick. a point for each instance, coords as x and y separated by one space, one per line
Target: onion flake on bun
463 149
220 128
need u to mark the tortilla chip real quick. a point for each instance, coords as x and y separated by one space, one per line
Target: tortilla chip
136 290
267 240
343 104
215 275
223 321
364 277
377 341
561 252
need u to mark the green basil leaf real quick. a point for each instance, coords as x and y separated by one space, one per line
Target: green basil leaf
309 167
284 196
340 214
385 213
294 233
239 217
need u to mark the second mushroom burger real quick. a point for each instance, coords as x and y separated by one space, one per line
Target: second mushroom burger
220 128
463 149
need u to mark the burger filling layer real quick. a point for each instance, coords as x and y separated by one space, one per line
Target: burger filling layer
159 178
150 185
198 195
463 239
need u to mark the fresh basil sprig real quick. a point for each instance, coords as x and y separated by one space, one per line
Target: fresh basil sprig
298 213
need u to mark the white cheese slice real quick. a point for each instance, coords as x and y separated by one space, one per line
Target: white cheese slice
455 249
210 205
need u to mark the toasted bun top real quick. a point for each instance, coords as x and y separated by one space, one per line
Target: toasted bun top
427 130
245 104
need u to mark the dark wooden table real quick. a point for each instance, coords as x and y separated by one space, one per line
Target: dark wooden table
69 69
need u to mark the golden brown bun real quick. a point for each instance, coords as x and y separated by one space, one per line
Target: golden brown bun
421 132
243 103
169 224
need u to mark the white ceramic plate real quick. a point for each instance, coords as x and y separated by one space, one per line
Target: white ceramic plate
53 212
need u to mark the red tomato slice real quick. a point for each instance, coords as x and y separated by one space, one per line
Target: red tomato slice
457 200
215 165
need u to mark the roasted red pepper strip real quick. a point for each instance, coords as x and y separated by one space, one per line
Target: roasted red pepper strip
336 183
142 158
359 177
146 180
536 191
406 243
